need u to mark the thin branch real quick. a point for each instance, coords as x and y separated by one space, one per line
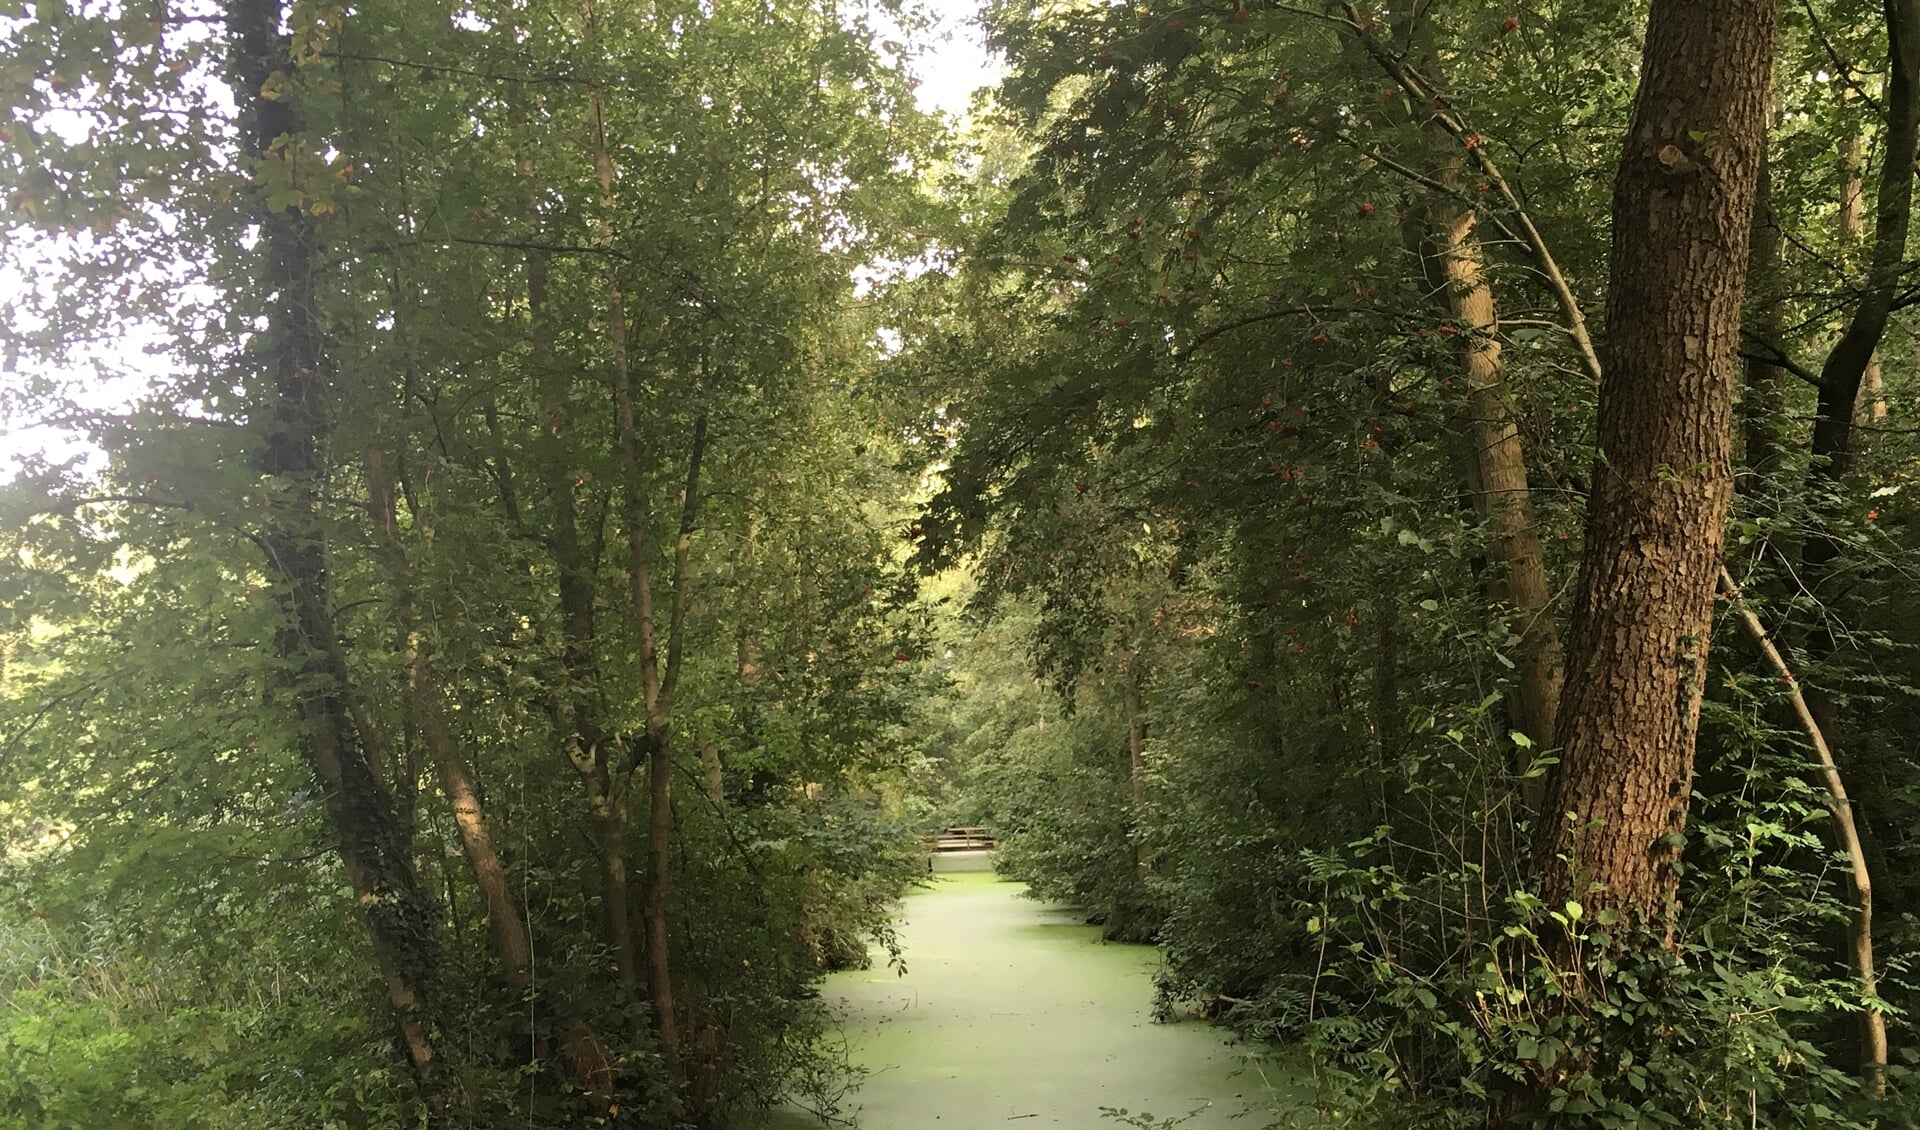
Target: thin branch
12 744
1534 241
1242 323
1874 1035
1774 355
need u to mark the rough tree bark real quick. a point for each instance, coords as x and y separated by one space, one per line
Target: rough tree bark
1636 661
369 836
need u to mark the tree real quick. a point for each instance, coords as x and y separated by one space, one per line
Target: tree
1637 652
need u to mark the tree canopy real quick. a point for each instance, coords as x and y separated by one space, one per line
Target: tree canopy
1404 508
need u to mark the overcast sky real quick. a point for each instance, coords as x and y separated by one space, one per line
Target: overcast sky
956 65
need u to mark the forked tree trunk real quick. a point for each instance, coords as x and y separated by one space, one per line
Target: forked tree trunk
657 683
1636 661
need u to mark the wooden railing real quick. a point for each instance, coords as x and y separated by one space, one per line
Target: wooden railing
961 839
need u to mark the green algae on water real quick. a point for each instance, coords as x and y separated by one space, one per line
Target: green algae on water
1013 1013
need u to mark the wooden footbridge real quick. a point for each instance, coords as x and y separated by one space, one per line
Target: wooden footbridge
960 839
959 849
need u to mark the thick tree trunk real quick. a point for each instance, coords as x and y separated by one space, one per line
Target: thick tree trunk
369 836
1636 664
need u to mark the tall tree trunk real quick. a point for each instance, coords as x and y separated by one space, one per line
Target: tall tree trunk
369 836
1845 372
578 703
1763 400
1502 496
506 928
1636 664
1453 265
1852 223
1851 370
656 687
658 683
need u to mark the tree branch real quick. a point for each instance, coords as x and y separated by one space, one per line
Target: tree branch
1874 1035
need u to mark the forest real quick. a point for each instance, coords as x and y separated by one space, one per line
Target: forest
518 518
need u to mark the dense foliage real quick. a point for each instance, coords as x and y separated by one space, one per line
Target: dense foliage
603 479
376 483
1236 454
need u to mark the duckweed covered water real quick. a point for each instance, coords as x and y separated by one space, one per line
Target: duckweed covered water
1014 1014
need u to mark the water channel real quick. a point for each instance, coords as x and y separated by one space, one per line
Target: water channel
1013 1013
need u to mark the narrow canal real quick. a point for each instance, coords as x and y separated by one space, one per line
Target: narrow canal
1013 1013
